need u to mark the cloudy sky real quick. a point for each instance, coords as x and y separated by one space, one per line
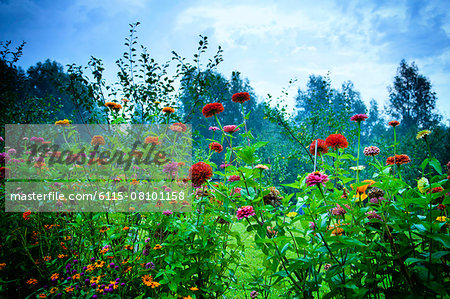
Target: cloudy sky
269 42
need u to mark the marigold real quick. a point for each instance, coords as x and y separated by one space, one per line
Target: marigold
215 146
423 134
98 140
394 123
193 289
322 147
199 173
240 97
359 117
54 276
336 141
212 109
168 110
398 159
42 295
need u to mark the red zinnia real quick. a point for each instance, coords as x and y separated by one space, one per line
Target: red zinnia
336 141
398 159
199 173
241 97
321 147
215 146
359 117
26 214
178 127
212 109
394 123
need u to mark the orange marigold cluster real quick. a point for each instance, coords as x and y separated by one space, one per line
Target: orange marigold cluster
398 159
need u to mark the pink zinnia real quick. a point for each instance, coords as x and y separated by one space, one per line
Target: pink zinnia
371 151
245 212
224 165
359 117
315 178
167 212
213 129
234 178
237 190
230 129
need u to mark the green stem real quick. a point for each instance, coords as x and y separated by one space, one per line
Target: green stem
357 159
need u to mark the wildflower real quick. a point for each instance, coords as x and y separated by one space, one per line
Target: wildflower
358 117
315 178
199 173
99 264
423 185
168 110
32 281
152 139
240 97
98 140
61 256
292 214
26 215
104 229
234 178
212 109
336 141
54 276
178 127
167 212
245 212
436 190
371 151
373 215
64 122
128 247
224 165
113 106
423 134
230 129
193 289
262 167
157 246
213 129
215 146
53 290
322 147
150 265
398 160
338 210
47 258
336 230
361 190
394 123
69 289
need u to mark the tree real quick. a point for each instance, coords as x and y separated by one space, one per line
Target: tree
411 98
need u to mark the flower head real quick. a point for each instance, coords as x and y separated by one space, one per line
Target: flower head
338 210
234 178
64 122
423 134
225 165
262 167
359 117
423 185
292 214
168 110
441 218
98 140
322 147
213 129
113 106
199 173
152 139
394 123
245 212
373 215
215 146
398 160
26 215
336 141
212 109
371 151
178 127
315 178
240 97
167 212
171 168
230 129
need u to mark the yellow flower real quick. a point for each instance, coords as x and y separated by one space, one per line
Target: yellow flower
157 246
423 185
423 133
95 279
64 122
90 267
99 264
441 218
291 214
53 290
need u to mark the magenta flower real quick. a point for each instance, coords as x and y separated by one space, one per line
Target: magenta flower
312 225
372 215
245 212
167 212
230 129
224 165
338 210
315 178
359 117
213 129
234 178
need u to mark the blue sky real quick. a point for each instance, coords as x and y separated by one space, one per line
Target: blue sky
269 42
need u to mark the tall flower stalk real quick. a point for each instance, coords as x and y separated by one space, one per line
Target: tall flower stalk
358 118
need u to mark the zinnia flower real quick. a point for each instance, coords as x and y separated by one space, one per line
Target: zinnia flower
373 215
338 210
394 123
26 215
423 134
371 151
230 129
178 127
262 167
215 146
225 165
199 173
358 117
245 212
336 141
152 139
168 110
315 178
441 218
64 122
234 178
213 129
167 212
398 159
321 147
113 106
212 109
97 140
423 185
240 97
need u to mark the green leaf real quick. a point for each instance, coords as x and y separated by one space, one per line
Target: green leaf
436 165
443 238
